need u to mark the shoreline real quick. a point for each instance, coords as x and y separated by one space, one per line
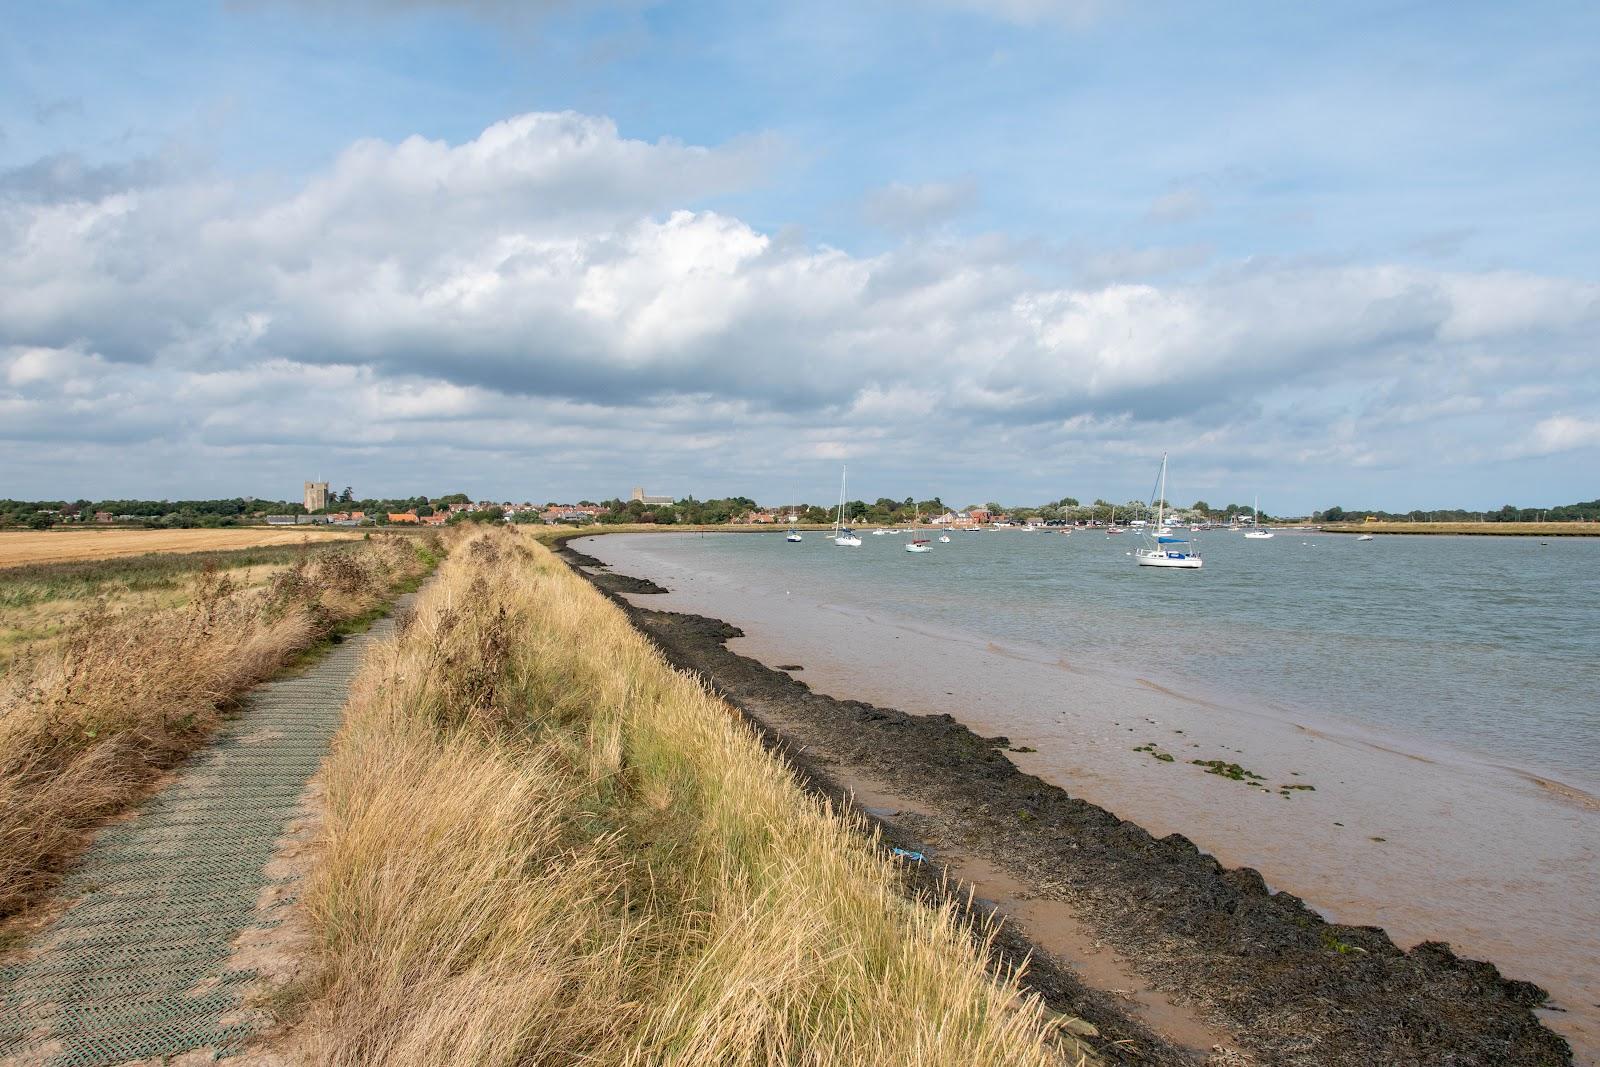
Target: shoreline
1218 944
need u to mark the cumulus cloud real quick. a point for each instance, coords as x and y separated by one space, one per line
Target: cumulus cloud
549 287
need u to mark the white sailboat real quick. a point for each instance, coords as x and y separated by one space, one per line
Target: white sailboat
917 544
1255 532
1161 550
843 536
794 535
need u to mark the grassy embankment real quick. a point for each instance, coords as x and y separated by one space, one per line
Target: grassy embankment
1475 529
126 690
544 845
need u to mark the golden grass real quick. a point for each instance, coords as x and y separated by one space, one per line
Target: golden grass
544 845
18 547
89 723
1500 529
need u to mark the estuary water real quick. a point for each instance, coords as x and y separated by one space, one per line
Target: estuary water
1440 696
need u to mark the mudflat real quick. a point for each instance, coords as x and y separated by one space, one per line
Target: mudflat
1219 951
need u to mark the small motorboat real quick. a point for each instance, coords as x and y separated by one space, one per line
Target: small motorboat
1365 537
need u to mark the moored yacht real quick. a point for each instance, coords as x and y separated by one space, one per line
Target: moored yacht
1165 550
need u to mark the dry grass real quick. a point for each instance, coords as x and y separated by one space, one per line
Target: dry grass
39 602
88 724
544 845
20 547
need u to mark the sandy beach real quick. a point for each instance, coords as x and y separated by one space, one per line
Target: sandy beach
1420 843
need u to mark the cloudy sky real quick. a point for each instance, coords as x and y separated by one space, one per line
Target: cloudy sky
987 249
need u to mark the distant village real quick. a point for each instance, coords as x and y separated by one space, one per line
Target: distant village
319 505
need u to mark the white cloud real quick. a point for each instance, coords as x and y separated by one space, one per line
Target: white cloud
1560 433
544 286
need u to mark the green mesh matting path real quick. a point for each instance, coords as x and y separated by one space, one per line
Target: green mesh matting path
138 967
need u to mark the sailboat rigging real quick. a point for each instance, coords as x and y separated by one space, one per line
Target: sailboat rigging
1163 550
843 536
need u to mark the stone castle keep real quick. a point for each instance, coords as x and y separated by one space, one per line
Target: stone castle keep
316 496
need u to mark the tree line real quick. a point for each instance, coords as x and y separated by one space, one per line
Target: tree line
235 511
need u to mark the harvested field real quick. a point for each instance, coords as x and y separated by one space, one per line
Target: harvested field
21 547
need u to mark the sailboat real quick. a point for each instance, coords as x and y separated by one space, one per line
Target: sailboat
1256 532
1161 550
843 536
794 535
917 544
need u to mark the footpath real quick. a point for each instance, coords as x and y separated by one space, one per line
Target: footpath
152 956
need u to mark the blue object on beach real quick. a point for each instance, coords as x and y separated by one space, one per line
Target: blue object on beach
914 857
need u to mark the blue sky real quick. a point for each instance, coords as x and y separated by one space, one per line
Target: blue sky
1338 254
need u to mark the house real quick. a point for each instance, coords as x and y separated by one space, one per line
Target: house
102 516
403 517
979 516
438 518
759 518
280 520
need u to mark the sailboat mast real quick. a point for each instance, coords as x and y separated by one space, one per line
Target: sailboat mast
839 523
1161 497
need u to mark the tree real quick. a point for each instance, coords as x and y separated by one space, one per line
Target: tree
1333 514
346 496
1069 502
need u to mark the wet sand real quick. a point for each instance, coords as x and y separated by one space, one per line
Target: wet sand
1425 844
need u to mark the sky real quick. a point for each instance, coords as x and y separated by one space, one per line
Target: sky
1004 250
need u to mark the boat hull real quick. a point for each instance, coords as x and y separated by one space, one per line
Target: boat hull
1172 560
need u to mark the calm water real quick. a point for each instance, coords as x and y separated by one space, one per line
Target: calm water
1480 645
